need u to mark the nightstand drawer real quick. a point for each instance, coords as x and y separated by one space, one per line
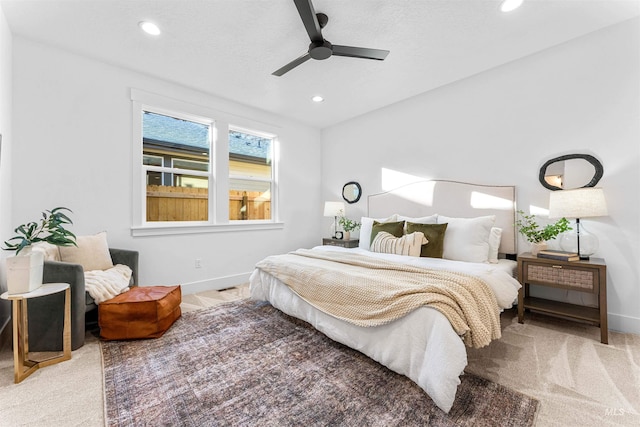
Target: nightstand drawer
578 279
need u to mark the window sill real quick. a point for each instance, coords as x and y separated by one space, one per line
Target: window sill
174 229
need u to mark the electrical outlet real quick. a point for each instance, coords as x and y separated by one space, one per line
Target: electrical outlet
198 263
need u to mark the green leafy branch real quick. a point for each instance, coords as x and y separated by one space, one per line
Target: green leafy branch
534 234
348 224
49 229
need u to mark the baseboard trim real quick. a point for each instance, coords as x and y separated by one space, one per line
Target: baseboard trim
215 284
624 324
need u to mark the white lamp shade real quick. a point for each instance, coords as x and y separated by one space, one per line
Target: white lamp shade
333 208
579 203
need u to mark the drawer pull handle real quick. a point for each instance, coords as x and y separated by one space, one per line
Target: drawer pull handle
556 266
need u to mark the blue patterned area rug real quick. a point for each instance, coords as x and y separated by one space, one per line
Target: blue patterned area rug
246 363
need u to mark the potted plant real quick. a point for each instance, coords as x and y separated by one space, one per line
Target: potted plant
24 270
537 235
348 226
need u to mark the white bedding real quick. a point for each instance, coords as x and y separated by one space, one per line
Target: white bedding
422 345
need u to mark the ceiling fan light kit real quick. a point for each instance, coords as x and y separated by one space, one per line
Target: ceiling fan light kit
320 48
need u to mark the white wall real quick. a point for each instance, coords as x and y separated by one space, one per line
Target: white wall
500 126
5 154
72 127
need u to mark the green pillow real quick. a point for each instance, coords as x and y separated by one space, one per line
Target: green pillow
395 228
434 234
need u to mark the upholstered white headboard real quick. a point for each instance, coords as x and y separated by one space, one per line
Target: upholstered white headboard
453 199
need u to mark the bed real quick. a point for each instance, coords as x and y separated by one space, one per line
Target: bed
423 343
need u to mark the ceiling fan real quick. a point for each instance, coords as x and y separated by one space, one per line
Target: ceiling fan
321 48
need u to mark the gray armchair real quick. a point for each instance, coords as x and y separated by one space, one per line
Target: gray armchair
46 314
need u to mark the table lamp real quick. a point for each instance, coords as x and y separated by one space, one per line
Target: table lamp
586 202
334 209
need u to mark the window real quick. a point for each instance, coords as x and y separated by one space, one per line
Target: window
176 161
195 172
250 175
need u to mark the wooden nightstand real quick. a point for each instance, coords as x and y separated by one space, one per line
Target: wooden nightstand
353 243
582 276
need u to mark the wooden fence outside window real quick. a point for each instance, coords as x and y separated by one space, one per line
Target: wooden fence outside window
166 203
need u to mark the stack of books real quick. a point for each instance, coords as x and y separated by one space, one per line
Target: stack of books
558 255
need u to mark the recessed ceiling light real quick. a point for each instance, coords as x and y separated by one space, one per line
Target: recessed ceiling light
509 5
317 98
149 28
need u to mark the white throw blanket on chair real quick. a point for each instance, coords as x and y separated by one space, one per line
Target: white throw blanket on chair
103 285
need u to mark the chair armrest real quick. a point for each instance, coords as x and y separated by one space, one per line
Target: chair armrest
128 258
64 272
46 313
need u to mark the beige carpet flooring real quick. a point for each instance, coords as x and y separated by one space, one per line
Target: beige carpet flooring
578 381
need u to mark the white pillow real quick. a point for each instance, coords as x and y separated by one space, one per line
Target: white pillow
467 239
431 219
92 252
494 244
366 225
409 244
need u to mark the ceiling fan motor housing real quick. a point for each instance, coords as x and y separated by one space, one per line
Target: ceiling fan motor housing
320 50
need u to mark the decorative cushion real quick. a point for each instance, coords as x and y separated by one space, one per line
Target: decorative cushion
394 228
409 244
51 252
467 239
494 244
92 252
435 235
365 230
142 312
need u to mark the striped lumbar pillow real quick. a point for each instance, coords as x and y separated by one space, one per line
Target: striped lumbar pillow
409 244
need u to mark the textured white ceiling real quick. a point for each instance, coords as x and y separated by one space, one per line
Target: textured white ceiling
229 48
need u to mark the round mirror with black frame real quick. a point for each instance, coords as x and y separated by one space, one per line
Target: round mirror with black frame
581 167
351 192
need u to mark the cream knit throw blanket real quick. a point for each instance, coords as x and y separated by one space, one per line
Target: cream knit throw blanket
106 284
370 292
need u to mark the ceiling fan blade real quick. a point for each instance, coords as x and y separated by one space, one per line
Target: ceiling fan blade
309 19
291 65
360 52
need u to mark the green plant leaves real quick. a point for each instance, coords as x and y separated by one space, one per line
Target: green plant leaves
528 227
50 229
348 224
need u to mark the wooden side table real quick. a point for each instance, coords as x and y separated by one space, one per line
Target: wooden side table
582 276
353 243
23 366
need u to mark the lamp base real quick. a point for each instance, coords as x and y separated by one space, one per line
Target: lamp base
580 241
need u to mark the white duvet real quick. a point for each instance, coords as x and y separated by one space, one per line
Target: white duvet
422 345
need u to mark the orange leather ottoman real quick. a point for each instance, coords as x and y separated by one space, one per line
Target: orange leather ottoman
141 312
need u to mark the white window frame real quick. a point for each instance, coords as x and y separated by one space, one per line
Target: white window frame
218 173
272 178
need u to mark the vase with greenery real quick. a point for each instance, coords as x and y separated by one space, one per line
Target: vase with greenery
538 235
348 225
24 271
